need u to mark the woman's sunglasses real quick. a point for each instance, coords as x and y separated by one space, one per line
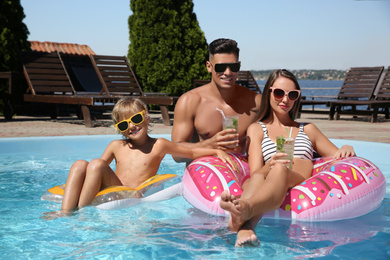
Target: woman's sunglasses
221 67
280 93
135 119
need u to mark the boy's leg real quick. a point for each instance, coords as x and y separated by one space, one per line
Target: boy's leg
99 175
73 185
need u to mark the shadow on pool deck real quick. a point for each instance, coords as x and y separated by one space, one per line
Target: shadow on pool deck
348 128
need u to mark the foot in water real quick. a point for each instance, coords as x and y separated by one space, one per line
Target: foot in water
247 238
57 214
236 208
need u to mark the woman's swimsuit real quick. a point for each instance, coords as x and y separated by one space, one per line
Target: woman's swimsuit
303 147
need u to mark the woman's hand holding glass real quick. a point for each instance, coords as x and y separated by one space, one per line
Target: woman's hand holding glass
276 159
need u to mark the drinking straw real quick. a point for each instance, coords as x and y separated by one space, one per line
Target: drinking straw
222 113
289 133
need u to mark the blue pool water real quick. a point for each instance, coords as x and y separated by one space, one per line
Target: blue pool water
161 230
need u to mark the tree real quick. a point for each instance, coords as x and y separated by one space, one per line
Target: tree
13 34
167 47
13 38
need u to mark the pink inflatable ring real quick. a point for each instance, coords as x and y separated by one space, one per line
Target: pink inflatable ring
338 189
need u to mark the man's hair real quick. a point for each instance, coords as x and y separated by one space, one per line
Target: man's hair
223 46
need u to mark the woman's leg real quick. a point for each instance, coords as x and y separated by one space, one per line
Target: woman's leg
230 202
268 196
73 185
259 196
99 176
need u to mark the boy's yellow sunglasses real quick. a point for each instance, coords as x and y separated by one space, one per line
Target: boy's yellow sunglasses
136 119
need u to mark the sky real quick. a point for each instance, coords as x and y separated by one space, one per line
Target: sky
271 34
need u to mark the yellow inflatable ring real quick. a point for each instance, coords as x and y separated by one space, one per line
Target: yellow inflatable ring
157 188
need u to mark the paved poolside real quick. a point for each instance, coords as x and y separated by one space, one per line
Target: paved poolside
348 128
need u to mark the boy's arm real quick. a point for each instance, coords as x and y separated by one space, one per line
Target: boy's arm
108 154
183 151
193 153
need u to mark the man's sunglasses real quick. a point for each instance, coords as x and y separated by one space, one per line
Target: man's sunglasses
280 93
221 67
135 119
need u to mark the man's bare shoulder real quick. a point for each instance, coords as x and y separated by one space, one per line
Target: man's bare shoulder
247 98
193 96
247 92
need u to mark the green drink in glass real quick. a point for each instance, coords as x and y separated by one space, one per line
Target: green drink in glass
286 145
230 122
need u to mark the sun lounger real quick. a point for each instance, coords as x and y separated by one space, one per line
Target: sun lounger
49 82
380 100
118 79
244 78
359 84
82 74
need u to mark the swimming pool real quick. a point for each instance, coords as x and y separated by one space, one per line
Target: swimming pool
162 230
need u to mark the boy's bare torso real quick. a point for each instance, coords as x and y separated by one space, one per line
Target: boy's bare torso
133 165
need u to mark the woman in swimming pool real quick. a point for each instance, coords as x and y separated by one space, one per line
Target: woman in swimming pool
270 176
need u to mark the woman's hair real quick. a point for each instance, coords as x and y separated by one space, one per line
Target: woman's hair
265 106
127 106
223 46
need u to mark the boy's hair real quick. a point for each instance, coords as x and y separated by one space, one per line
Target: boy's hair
127 106
265 106
223 46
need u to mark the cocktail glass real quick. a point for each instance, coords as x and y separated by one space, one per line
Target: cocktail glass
286 145
230 122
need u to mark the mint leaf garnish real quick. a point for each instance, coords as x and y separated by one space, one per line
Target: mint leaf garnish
279 143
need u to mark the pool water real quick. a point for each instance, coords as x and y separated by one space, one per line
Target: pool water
170 229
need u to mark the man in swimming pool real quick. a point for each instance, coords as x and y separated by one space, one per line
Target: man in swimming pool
198 120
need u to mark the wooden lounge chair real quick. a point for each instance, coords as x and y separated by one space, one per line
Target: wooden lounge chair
359 84
118 79
49 82
82 74
370 107
244 78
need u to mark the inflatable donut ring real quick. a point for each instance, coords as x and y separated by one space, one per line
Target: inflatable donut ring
338 189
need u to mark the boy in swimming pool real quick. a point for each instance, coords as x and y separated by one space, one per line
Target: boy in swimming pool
137 156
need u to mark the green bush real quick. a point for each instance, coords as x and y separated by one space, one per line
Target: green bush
167 47
13 38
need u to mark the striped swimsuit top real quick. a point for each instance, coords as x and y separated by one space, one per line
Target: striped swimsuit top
303 147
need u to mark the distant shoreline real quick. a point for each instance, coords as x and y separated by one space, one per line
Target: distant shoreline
305 74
